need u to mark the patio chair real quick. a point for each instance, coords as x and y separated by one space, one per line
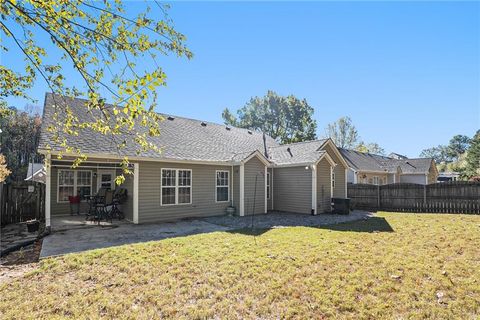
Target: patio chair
119 197
92 203
103 209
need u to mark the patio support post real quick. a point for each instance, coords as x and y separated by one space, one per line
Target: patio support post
314 189
136 171
265 176
48 191
242 189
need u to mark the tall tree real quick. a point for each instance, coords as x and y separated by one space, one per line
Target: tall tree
439 154
473 157
343 133
458 145
19 140
372 147
102 43
286 119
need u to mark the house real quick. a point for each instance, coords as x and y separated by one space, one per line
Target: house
36 172
376 169
397 156
203 168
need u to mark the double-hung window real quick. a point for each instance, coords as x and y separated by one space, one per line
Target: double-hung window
176 186
222 186
375 180
74 183
268 185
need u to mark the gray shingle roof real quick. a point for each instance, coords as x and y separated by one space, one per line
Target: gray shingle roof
371 162
180 138
301 152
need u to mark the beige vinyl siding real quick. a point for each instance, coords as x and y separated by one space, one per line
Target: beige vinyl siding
292 190
339 170
254 171
63 208
323 187
367 178
270 201
203 192
236 188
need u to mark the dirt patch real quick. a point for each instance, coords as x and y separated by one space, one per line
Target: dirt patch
17 263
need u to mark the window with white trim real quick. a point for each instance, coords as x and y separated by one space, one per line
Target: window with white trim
176 186
73 183
84 184
333 180
375 180
222 186
66 184
268 185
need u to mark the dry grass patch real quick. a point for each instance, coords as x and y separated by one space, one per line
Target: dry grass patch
390 266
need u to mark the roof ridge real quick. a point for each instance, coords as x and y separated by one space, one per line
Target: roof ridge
300 142
175 116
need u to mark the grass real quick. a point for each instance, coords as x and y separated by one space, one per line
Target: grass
393 266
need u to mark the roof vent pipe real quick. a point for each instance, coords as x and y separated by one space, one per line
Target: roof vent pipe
249 131
204 124
290 152
171 118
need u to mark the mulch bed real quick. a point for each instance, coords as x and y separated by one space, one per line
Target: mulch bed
17 263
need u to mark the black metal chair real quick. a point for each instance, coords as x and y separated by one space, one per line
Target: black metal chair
92 204
103 209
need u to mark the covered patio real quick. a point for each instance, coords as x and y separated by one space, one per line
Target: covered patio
67 184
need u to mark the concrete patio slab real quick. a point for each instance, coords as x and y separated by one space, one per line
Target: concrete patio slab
284 219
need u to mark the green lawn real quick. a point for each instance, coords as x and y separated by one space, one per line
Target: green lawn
393 266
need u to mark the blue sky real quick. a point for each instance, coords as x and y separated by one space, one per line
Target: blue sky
407 73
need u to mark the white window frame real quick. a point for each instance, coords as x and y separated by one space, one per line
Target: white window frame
377 179
75 185
176 187
269 187
227 186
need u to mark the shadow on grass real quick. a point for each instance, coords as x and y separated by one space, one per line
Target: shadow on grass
374 224
371 225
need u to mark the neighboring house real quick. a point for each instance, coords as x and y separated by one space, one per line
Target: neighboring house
397 156
203 168
36 172
375 169
448 176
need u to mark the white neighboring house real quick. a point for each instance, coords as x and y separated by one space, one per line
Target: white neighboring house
375 169
36 172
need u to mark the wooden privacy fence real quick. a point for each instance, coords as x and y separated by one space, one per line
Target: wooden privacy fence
446 197
21 201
